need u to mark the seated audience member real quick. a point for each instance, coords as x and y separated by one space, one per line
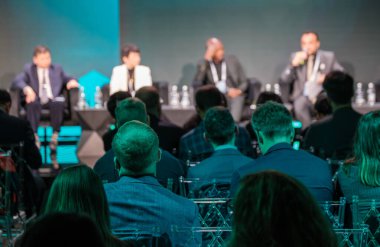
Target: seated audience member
332 137
193 146
322 106
137 200
261 99
273 209
220 131
62 230
168 167
78 189
322 109
130 76
168 133
112 102
361 177
272 123
42 84
13 131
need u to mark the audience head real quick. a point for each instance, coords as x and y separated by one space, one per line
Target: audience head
367 148
130 109
310 42
151 98
114 99
219 126
322 105
268 96
217 47
5 100
272 123
206 97
136 149
130 55
339 87
78 189
62 230
273 209
42 57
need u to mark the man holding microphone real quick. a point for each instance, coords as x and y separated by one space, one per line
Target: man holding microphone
305 73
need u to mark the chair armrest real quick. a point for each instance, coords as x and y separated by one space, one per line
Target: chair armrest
72 101
16 102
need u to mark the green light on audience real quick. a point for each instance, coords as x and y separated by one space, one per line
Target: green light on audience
297 124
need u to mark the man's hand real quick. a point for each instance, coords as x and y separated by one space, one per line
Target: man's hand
72 84
30 95
321 78
299 58
210 52
234 92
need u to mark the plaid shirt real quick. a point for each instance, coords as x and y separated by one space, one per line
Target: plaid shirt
194 147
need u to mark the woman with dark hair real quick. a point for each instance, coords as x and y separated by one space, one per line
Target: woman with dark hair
273 209
361 176
78 189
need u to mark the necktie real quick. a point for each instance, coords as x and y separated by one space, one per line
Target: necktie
44 96
310 65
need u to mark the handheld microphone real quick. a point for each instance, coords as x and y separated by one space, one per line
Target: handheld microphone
303 61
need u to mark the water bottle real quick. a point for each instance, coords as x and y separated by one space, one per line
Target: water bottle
98 98
174 96
82 99
359 95
276 89
268 87
185 100
371 94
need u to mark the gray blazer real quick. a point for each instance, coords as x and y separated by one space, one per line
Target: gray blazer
139 203
296 76
235 74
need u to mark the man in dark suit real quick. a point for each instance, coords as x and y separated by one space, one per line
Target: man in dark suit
305 74
193 146
272 123
112 102
137 200
14 131
168 133
225 72
220 131
42 84
332 137
168 167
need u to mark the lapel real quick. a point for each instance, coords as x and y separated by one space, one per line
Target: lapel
209 73
34 79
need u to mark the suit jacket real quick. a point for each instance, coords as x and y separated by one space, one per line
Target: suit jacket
119 78
193 144
168 133
311 171
333 135
136 203
235 74
296 76
167 167
29 77
219 166
14 130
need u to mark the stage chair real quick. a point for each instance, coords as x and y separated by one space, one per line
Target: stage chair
335 211
71 100
367 211
215 236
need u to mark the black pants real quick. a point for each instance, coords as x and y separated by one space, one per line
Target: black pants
33 113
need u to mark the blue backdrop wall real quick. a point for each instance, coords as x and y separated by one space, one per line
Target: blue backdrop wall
83 35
